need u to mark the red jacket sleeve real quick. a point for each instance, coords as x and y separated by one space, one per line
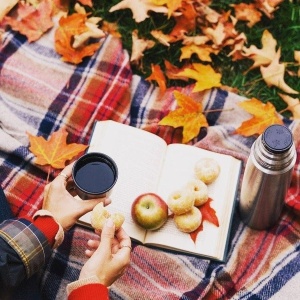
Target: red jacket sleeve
91 291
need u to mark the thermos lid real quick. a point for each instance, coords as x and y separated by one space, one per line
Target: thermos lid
277 138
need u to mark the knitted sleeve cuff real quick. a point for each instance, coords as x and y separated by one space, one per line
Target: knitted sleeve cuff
59 237
81 282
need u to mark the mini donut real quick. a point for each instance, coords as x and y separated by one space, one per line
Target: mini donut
181 201
207 170
200 191
100 215
189 221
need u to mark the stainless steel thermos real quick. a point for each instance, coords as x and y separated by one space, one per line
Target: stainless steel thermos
267 177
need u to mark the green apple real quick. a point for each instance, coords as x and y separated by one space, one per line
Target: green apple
149 211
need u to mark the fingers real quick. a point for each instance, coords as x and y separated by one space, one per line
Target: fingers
66 173
123 238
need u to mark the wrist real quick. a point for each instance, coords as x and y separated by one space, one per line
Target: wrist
59 236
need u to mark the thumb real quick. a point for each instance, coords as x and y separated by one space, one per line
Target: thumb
88 205
107 236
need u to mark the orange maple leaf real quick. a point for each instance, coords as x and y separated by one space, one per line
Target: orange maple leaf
54 152
70 26
205 76
31 21
158 76
188 115
247 12
264 115
209 215
185 22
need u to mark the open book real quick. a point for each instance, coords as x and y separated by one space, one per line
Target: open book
147 164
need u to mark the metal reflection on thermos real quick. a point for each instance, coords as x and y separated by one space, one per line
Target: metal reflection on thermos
267 177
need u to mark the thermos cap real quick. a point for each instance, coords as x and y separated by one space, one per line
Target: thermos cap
277 139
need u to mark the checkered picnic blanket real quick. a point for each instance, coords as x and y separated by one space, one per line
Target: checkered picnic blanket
40 94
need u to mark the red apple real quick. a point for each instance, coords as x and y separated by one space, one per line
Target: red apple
149 211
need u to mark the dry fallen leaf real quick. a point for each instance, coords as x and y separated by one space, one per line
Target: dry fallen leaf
262 56
202 51
69 27
139 46
55 151
158 76
86 2
264 115
273 75
293 105
31 21
188 115
205 76
139 8
247 12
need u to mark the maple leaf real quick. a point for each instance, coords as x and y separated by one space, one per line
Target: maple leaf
70 26
139 8
264 115
188 115
293 105
55 151
209 215
273 75
185 21
172 71
202 51
158 76
31 21
247 12
172 5
111 28
262 56
268 6
139 46
204 75
164 39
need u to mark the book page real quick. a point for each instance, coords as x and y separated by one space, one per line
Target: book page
178 170
139 156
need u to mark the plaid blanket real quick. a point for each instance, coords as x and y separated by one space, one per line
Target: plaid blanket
40 94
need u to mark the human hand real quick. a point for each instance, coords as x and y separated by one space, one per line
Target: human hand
109 261
65 208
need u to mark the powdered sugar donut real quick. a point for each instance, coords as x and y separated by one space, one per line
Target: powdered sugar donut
100 215
200 191
189 221
181 201
207 170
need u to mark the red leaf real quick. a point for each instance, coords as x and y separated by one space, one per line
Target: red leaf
209 215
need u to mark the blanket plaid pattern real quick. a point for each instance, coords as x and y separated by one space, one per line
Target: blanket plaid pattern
40 94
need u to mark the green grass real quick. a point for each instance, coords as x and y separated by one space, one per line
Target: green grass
285 28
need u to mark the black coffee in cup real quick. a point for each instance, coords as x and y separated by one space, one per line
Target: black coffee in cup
94 175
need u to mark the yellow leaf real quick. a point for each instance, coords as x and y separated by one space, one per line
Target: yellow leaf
205 76
264 115
54 152
188 115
